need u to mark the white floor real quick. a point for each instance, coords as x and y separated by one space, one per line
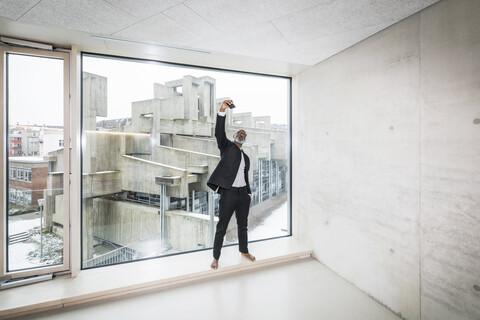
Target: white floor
299 290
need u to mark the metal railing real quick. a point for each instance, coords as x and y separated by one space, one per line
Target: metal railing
150 246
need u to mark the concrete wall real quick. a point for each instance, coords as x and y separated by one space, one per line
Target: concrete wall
102 151
188 231
276 145
94 99
261 122
161 91
450 161
262 140
87 228
49 141
243 119
210 146
139 175
101 183
125 223
207 99
183 158
50 198
386 137
57 217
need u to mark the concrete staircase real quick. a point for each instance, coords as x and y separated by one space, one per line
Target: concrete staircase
18 237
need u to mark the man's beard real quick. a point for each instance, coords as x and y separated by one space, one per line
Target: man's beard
239 140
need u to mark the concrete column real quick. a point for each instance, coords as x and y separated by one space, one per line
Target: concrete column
278 179
211 212
87 230
270 179
163 194
49 210
193 200
190 98
259 181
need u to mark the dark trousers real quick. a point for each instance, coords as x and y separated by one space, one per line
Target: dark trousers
238 200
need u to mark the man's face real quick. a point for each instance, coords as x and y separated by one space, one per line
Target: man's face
240 136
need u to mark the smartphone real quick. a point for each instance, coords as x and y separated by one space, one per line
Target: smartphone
231 106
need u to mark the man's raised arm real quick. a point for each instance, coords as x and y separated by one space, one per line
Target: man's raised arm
222 140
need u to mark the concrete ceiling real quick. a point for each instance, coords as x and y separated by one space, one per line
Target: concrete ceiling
302 32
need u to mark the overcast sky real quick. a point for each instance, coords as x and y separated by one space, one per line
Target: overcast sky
35 88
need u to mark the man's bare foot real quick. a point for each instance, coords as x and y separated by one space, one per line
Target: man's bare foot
214 264
249 257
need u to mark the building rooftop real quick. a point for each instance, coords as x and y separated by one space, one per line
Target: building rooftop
27 159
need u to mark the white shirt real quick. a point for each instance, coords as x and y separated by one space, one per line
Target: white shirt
240 178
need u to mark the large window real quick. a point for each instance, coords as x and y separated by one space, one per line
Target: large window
149 148
28 175
20 173
13 173
36 102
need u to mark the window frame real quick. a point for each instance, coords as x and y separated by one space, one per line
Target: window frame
5 171
12 173
27 197
27 175
19 173
289 180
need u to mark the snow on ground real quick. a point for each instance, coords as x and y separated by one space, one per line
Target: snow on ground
18 253
18 256
23 222
276 225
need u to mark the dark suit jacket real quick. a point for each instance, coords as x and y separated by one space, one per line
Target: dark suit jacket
230 157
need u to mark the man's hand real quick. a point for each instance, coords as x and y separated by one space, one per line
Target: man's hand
225 105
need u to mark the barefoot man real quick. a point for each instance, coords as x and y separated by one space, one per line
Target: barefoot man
230 180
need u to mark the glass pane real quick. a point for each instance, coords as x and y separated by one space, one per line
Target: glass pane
149 149
35 167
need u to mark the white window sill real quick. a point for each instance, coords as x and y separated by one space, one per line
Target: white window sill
113 281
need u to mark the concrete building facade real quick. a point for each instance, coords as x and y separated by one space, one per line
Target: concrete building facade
145 177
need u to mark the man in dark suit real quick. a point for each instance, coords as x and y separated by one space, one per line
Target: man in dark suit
230 180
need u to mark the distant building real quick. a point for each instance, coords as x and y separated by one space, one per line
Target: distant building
14 144
27 180
50 139
33 140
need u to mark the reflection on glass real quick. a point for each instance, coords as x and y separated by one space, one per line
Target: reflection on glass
35 169
149 149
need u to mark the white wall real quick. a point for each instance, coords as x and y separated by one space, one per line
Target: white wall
50 141
386 163
450 171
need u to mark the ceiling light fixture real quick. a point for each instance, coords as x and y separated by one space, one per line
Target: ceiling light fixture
149 44
25 43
